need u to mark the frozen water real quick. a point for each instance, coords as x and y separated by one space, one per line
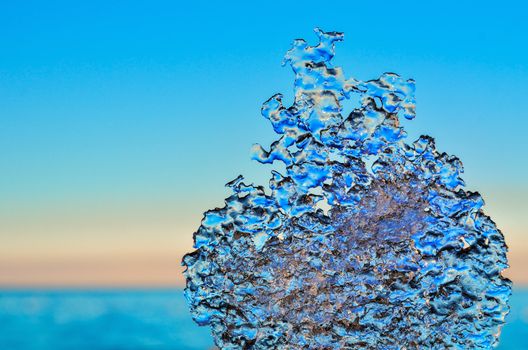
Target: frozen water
366 241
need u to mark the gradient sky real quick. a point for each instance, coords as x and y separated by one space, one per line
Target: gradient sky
121 121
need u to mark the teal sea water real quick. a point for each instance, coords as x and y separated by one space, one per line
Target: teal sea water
140 319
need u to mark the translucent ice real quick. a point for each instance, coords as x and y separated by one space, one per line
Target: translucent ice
365 242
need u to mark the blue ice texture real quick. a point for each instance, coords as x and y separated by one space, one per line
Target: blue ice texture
365 241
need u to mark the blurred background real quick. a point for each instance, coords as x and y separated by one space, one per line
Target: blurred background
120 123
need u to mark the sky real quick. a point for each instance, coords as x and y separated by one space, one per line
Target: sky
120 122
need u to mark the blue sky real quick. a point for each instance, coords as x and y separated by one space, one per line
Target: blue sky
141 111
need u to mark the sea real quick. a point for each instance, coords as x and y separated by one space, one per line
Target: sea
140 319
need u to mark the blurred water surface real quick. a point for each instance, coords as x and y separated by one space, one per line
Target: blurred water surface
139 319
98 320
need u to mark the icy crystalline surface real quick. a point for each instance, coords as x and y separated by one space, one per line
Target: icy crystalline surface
365 242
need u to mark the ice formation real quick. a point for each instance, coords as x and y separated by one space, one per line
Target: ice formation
365 242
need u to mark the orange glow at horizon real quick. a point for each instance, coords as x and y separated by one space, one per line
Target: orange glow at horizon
146 271
116 245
